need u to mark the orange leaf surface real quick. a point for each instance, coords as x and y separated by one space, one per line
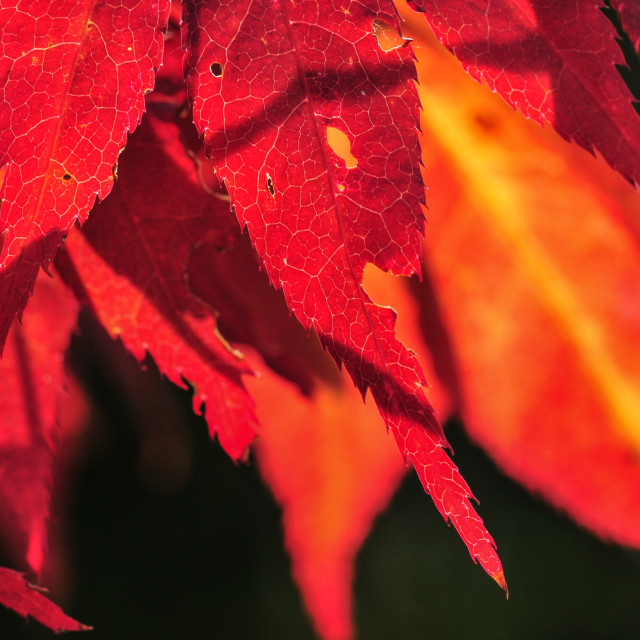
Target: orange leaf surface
318 455
533 249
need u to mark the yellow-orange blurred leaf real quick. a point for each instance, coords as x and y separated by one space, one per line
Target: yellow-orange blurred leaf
532 247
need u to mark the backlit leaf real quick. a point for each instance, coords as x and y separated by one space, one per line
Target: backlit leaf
535 255
72 82
317 449
551 61
267 81
316 457
32 374
129 266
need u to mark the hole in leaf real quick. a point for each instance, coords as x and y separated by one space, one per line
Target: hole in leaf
339 143
216 69
66 176
270 188
388 38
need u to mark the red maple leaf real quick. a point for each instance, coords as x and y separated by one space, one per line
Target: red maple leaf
309 113
33 375
553 64
74 75
27 600
136 287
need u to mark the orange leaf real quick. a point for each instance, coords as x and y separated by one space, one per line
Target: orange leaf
533 249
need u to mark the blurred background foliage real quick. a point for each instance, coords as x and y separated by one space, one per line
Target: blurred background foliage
167 539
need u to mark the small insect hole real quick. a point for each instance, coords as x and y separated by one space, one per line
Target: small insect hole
341 146
66 176
270 188
216 69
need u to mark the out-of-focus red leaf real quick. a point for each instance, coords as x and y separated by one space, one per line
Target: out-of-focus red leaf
26 599
534 251
269 81
551 61
32 373
130 264
630 15
73 76
74 416
317 451
333 470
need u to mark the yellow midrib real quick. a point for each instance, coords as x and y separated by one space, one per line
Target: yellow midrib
499 202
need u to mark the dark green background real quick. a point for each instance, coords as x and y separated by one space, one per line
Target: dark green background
206 560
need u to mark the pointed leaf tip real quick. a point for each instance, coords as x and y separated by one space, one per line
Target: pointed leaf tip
499 578
17 593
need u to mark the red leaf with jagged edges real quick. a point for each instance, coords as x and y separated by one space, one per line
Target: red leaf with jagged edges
32 374
72 82
553 61
269 82
27 599
251 312
129 262
534 251
313 454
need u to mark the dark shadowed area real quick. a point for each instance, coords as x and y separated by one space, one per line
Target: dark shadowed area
191 550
